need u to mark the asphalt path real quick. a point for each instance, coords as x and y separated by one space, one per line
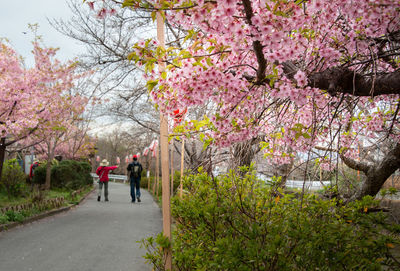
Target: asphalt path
98 236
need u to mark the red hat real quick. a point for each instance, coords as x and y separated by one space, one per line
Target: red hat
135 156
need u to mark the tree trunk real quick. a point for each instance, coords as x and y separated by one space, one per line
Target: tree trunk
283 171
50 158
376 175
244 152
48 174
2 154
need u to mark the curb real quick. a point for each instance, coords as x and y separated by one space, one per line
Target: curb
6 227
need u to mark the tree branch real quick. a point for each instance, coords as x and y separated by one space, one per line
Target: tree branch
257 46
356 165
343 80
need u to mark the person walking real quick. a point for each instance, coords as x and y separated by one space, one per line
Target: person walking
135 169
102 172
34 165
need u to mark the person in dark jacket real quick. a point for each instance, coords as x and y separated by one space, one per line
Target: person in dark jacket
102 172
135 169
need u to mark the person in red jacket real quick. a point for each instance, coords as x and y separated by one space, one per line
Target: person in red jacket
102 172
34 165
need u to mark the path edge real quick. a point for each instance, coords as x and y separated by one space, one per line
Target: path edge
6 227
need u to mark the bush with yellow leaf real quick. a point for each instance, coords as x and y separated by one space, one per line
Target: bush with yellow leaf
235 222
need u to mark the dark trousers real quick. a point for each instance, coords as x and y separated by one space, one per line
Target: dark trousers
135 185
101 184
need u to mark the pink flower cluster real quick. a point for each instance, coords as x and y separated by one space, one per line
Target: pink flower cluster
36 104
217 67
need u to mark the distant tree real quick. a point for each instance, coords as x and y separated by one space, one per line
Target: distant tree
31 99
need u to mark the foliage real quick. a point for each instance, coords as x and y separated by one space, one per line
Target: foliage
20 216
3 219
240 223
144 181
391 191
40 174
38 204
299 74
71 174
13 178
285 90
38 103
14 216
65 174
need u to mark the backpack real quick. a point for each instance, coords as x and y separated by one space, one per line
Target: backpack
34 166
136 170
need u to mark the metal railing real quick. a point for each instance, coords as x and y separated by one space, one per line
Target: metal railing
312 185
111 177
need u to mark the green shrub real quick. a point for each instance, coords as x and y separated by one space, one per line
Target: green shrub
14 216
65 174
239 223
86 170
39 176
13 178
71 174
144 182
3 219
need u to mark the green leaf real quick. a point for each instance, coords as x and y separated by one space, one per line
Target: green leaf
151 84
154 16
128 3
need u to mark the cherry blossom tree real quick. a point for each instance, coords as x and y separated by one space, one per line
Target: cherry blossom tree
78 145
23 107
35 103
64 106
305 74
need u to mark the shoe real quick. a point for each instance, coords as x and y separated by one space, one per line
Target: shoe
98 198
138 199
133 201
106 200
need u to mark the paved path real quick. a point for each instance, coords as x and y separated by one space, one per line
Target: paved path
98 236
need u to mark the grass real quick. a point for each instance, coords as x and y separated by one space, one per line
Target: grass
5 201
20 216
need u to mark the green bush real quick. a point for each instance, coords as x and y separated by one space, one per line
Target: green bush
65 174
239 223
71 174
3 219
13 178
144 182
14 216
39 176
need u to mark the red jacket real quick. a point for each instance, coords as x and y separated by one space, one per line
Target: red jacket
102 172
32 169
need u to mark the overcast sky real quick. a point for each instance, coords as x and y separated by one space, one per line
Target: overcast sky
15 15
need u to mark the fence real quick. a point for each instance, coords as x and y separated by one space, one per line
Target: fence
111 177
311 185
52 203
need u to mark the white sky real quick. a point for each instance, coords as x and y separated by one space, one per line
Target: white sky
15 15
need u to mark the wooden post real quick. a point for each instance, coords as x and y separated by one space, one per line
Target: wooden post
166 206
182 165
172 167
358 172
157 181
148 173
